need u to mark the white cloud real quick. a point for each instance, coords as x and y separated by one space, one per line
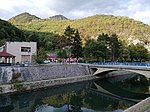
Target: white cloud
140 10
137 9
143 16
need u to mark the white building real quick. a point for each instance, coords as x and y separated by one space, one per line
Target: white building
23 51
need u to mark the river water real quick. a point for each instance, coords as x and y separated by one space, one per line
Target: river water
77 97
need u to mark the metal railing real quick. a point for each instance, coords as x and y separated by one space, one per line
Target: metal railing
123 63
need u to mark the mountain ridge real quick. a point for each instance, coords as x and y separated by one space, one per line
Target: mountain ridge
27 17
126 28
58 17
24 17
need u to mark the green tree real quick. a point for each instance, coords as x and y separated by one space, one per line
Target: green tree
41 55
50 41
112 43
142 52
132 51
124 54
138 52
103 38
100 51
89 48
62 53
115 45
95 49
62 42
76 48
31 36
69 33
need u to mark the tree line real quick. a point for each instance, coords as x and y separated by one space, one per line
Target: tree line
103 48
110 48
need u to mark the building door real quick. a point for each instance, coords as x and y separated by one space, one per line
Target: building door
25 58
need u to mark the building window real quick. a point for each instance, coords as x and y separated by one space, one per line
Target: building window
25 49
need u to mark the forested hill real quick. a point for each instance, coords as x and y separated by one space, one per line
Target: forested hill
126 28
9 32
23 18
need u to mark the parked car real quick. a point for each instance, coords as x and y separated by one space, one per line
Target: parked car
47 61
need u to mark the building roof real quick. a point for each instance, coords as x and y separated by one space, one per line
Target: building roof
71 59
5 54
52 55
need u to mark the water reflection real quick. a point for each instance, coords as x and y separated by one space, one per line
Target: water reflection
118 90
77 97
138 84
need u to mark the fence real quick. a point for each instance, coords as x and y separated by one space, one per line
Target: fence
124 63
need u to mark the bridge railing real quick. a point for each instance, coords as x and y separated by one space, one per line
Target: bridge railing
123 63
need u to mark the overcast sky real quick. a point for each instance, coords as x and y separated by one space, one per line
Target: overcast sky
75 9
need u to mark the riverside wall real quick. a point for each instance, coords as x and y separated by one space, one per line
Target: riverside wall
13 79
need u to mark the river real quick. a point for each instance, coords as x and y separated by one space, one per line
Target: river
77 97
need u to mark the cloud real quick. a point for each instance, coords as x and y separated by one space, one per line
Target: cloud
143 16
140 10
74 9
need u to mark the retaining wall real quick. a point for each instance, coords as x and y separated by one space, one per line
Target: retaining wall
25 86
37 73
13 79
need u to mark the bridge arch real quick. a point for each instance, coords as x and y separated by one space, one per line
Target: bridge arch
111 75
101 72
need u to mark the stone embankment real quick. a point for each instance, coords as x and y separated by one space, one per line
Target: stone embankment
142 106
14 79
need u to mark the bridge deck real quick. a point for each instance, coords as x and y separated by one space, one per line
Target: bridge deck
143 70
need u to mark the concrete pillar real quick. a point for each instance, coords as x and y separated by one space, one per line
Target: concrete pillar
13 60
5 60
9 60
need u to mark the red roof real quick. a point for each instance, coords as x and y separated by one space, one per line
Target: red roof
52 55
5 54
71 60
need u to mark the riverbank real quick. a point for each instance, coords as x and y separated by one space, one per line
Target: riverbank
27 86
16 79
143 106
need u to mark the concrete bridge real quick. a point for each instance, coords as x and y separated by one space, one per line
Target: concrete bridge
118 70
109 74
